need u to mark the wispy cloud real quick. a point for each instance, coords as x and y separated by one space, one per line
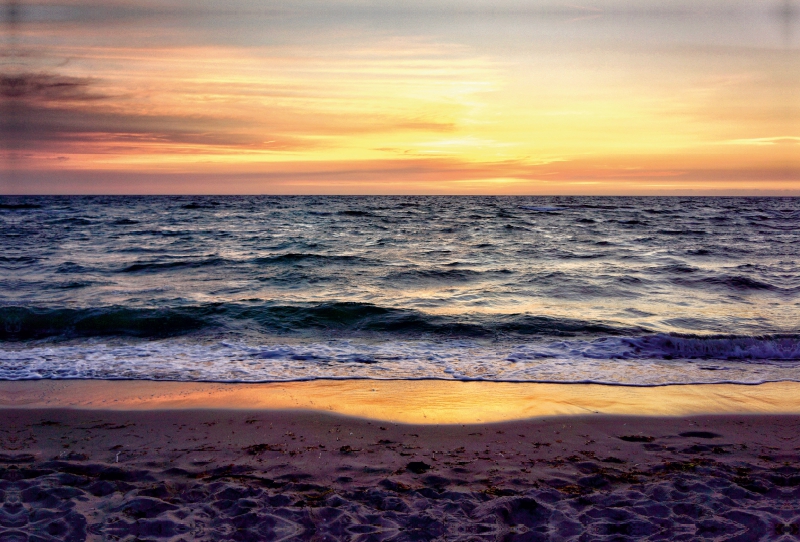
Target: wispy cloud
46 87
761 141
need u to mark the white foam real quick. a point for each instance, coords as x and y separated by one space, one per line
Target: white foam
635 361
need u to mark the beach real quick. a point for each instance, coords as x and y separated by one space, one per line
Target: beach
436 270
191 461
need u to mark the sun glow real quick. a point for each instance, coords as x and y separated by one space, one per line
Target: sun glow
578 103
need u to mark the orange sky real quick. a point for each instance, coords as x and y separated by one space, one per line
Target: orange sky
353 97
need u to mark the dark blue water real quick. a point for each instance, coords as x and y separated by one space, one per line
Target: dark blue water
638 291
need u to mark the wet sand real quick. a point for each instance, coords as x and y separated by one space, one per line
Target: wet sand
422 401
150 470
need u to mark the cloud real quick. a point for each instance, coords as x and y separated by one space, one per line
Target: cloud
433 176
762 141
65 130
48 111
46 87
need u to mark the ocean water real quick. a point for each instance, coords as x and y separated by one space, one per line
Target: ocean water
629 291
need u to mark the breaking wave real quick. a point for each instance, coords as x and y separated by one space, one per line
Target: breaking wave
651 360
21 324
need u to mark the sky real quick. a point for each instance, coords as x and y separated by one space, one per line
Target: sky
416 97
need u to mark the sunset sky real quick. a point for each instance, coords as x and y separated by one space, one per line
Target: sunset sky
431 97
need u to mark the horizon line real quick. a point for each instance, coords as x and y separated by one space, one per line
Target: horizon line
782 194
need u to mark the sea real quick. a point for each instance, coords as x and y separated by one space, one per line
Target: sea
633 291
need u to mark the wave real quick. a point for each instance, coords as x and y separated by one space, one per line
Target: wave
682 232
182 264
71 267
18 259
124 222
74 221
542 209
599 206
780 227
19 206
632 361
676 268
544 325
425 275
201 205
26 324
732 282
20 323
165 233
300 257
673 346
71 285
351 212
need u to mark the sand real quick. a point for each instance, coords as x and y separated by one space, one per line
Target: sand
191 473
422 401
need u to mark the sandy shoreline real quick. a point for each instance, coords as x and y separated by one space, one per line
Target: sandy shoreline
424 401
218 471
